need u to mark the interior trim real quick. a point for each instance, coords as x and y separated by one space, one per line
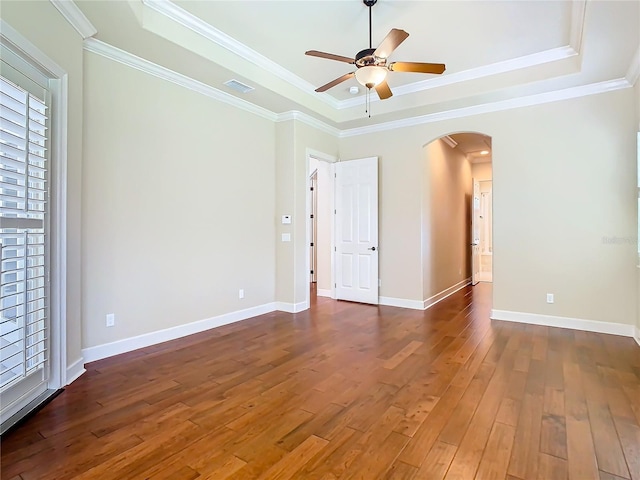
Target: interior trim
75 17
291 307
513 64
429 302
199 26
633 73
401 302
309 120
526 101
114 53
101 48
596 326
75 370
91 354
208 31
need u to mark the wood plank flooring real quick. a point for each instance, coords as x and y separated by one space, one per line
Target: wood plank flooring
349 391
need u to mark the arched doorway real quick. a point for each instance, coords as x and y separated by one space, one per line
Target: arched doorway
457 246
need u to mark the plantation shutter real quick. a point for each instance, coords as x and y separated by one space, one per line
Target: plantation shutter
23 242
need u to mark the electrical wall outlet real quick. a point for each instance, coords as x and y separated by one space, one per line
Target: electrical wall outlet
550 298
111 319
241 293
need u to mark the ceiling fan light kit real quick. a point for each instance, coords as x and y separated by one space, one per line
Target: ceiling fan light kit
371 76
371 63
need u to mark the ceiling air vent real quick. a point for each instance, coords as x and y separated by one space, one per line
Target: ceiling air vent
238 86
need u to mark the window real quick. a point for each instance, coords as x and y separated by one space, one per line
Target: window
23 232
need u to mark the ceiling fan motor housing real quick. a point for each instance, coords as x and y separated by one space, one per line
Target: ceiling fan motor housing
366 58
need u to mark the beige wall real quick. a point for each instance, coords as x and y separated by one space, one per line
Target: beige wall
445 218
399 207
293 142
481 171
45 27
178 206
546 240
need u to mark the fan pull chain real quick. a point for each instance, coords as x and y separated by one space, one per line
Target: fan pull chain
367 105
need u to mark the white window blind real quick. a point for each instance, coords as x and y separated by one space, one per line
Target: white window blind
23 242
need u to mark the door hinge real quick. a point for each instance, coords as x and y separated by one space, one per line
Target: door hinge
311 272
311 216
335 249
311 188
335 175
312 244
335 212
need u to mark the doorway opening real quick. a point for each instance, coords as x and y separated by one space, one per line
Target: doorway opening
319 218
457 214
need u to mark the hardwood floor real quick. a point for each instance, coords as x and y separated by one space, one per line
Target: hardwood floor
349 391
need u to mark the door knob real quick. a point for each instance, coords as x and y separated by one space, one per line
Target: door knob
372 248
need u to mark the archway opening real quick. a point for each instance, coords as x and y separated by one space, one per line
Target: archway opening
457 214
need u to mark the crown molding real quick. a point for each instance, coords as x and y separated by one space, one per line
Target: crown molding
75 17
526 101
633 73
578 11
199 26
510 65
109 51
113 53
309 120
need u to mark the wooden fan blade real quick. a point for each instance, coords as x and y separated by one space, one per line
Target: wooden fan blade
383 90
335 82
394 38
330 56
417 67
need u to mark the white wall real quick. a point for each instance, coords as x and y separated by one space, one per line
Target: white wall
446 218
549 239
179 205
47 29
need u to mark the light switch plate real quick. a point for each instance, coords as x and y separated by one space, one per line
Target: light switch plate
286 219
286 237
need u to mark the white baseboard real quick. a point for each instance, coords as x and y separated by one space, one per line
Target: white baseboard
75 370
400 302
98 352
321 292
636 337
291 307
565 322
445 293
424 304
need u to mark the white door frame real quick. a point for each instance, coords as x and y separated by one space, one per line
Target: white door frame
58 86
331 160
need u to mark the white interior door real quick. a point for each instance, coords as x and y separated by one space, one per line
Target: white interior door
357 230
476 212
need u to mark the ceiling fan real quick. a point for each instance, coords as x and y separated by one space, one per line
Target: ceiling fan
371 63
